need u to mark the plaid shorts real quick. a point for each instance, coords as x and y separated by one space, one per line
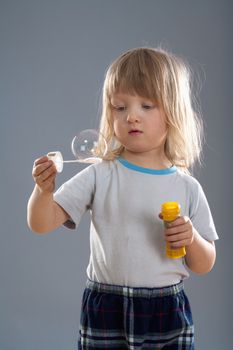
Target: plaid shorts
117 317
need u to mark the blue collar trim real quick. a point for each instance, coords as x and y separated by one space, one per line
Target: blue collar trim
140 169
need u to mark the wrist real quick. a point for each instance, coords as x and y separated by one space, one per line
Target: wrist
42 191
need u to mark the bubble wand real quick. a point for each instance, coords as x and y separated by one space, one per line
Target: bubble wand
82 147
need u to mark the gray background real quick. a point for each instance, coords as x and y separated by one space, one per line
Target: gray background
53 57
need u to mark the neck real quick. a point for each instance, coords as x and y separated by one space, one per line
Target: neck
146 160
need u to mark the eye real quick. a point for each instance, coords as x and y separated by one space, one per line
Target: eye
147 106
119 108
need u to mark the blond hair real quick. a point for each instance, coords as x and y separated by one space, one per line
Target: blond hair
164 78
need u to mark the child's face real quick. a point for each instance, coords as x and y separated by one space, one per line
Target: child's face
139 124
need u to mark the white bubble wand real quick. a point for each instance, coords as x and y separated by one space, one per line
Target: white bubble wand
82 147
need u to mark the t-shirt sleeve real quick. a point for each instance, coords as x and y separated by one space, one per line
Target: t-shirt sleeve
200 214
76 195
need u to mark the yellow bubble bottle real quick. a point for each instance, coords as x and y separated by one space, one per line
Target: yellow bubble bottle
170 211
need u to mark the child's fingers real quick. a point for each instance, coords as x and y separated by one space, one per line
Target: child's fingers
41 160
177 237
46 180
174 230
179 244
41 166
44 175
180 235
181 220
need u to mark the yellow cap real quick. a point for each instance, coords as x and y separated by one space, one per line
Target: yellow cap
170 211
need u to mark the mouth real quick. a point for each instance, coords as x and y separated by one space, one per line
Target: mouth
135 132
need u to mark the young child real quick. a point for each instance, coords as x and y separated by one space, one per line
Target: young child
134 297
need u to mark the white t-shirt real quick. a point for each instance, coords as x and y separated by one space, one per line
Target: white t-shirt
126 235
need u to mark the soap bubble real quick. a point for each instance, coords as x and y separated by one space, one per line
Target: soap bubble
82 146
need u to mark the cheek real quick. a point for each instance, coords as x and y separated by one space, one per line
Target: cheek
117 127
162 127
159 131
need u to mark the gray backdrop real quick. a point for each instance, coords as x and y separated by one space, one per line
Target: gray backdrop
53 57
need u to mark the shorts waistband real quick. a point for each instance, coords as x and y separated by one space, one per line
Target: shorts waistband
135 291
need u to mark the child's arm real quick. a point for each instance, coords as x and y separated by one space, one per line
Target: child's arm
200 253
43 213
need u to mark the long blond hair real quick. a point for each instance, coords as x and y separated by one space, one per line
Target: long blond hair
162 77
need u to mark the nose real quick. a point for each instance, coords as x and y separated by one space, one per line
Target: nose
133 117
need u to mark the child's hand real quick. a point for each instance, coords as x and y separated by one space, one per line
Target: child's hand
180 232
44 173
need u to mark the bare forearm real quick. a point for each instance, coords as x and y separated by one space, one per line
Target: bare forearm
41 215
200 255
